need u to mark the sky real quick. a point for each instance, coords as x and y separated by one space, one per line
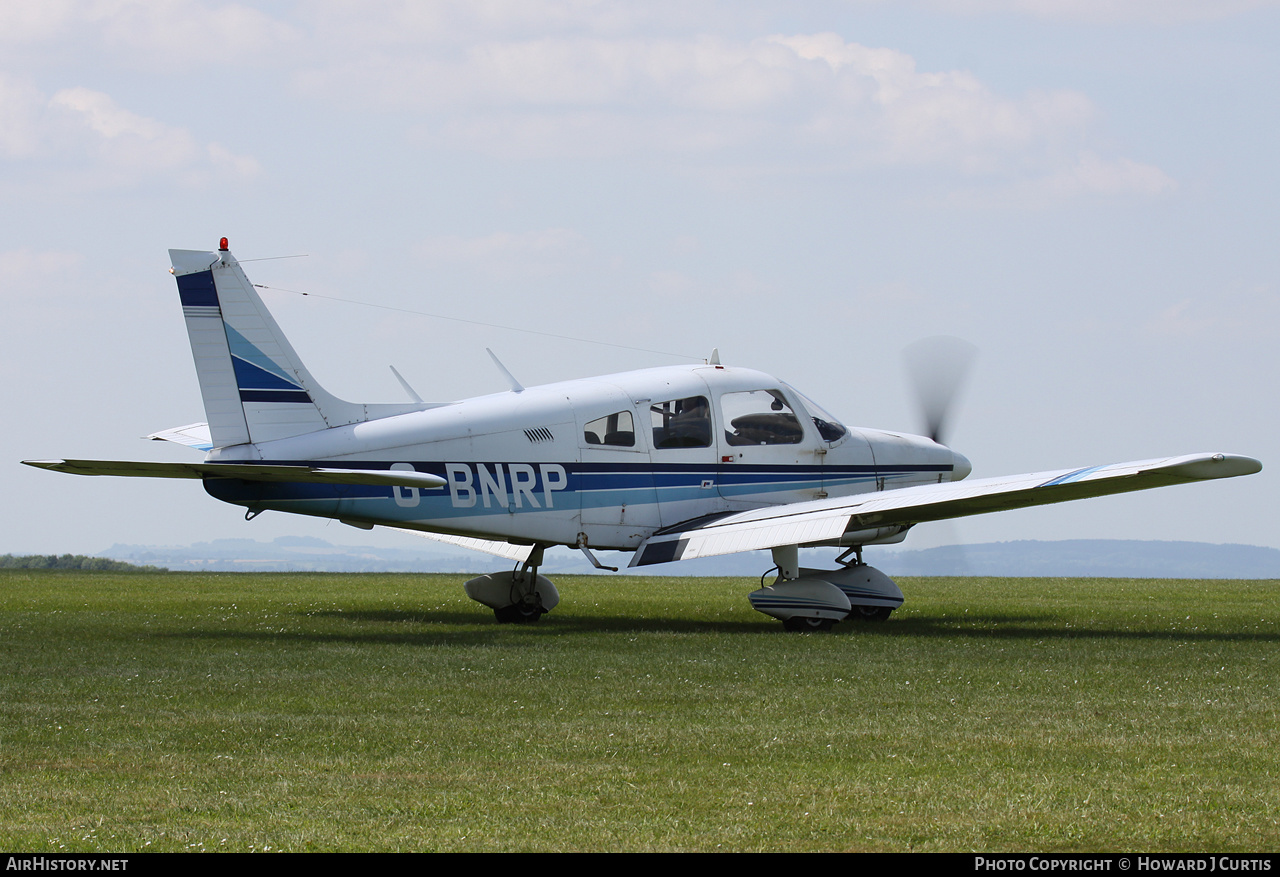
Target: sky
1086 191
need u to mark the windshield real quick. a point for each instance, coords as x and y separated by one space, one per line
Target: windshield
829 428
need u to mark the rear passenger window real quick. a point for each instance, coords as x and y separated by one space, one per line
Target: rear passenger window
617 430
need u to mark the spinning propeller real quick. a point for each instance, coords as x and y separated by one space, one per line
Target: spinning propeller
938 367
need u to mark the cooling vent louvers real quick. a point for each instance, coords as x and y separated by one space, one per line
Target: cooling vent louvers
541 434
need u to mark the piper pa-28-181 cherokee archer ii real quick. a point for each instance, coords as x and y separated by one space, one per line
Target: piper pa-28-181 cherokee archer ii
670 463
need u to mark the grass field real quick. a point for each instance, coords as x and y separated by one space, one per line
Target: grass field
388 712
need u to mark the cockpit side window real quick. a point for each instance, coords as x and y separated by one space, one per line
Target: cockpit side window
615 430
681 423
759 417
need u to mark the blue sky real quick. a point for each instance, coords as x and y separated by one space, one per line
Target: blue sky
1087 191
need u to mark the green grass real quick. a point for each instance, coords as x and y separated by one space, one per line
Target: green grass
388 712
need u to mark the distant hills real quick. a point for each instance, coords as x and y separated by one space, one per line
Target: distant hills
1110 558
306 554
1069 558
70 562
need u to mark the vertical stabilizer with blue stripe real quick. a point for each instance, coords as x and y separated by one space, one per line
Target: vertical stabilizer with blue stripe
255 387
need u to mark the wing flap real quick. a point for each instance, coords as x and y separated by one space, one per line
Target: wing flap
518 553
244 472
811 523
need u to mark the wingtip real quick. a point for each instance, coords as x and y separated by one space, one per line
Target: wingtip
1209 466
1251 465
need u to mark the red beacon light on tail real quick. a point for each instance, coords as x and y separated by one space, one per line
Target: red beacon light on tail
222 245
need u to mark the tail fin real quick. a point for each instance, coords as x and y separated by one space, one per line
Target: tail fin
255 387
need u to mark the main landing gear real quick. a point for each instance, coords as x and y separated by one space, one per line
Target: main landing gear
519 596
802 599
815 599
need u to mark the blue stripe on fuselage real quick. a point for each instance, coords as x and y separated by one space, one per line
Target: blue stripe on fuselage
587 485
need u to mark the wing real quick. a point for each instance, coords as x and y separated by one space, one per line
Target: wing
488 546
829 520
244 472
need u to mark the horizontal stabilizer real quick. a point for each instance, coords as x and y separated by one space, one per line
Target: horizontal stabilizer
244 472
193 435
827 521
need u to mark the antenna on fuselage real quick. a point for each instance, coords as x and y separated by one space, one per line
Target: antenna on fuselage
715 356
405 384
516 387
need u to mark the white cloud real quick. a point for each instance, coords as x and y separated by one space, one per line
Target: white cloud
230 164
126 140
702 73
390 22
1110 11
1088 176
145 33
1119 176
875 100
35 22
588 133
600 79
830 99
88 130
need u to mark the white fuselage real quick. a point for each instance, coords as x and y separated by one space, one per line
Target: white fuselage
604 461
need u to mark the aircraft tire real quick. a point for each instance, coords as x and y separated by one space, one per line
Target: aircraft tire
800 625
518 613
870 613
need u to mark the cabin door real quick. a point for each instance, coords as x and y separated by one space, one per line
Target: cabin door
766 455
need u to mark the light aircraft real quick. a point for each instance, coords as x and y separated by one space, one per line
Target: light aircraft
669 463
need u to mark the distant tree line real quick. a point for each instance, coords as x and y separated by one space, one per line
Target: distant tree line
71 561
